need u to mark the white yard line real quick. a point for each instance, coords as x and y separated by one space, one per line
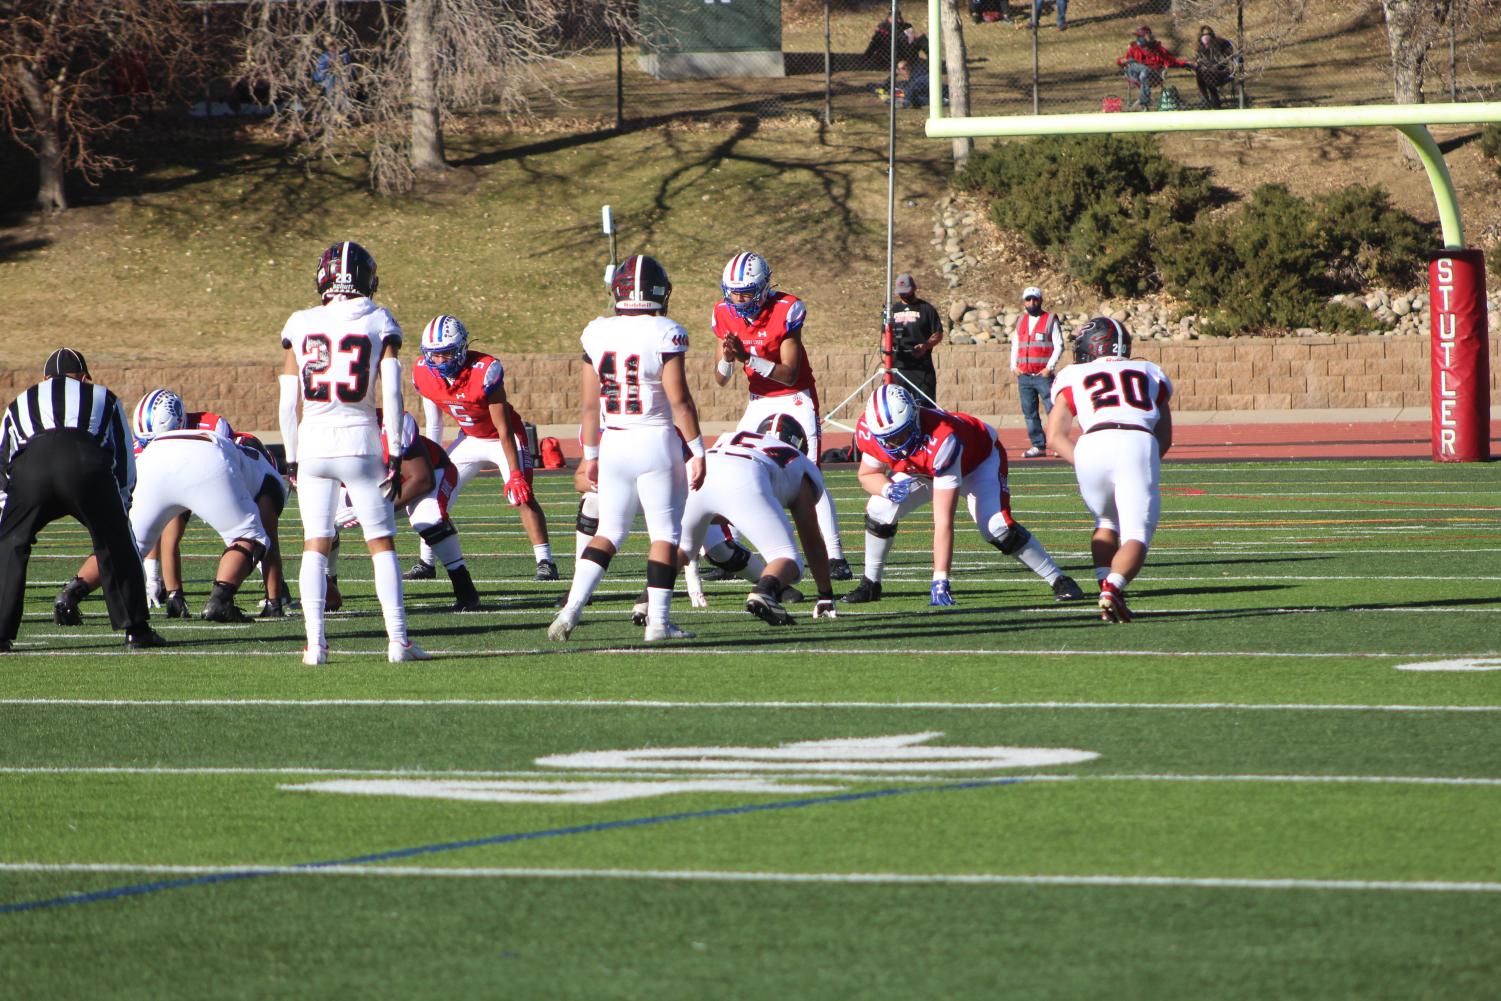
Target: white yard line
741 876
748 704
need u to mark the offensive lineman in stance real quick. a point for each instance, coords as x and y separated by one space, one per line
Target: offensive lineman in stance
762 330
634 391
333 353
1122 405
948 455
470 385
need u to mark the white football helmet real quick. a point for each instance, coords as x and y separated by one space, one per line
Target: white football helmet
891 415
159 411
445 335
746 272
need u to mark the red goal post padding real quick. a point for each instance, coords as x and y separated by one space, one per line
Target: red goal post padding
1461 385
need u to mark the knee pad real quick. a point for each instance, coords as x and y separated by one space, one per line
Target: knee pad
880 530
736 561
434 534
587 522
250 548
1013 541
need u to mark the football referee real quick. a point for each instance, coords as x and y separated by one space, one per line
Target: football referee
65 449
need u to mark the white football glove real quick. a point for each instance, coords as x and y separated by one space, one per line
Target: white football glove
698 599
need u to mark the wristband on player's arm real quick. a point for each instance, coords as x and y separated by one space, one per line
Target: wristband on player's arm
696 446
725 369
761 366
591 452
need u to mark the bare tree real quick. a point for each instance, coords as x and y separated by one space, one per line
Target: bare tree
385 86
955 57
62 65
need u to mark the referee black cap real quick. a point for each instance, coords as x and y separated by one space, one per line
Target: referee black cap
65 361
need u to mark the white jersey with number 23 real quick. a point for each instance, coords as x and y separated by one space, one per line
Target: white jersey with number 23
338 349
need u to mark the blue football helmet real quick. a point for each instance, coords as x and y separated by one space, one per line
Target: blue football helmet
746 272
445 335
892 416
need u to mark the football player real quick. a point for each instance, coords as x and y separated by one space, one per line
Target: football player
909 452
428 482
752 481
161 411
761 329
334 353
470 386
1123 407
635 393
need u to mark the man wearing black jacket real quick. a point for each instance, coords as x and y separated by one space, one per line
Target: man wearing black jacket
65 449
916 329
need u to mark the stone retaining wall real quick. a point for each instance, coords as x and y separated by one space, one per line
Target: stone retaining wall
1239 374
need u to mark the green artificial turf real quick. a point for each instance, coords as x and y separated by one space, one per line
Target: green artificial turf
1310 820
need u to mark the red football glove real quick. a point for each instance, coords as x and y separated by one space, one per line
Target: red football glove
518 491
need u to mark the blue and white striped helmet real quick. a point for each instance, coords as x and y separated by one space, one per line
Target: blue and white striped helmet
445 335
159 411
891 415
746 272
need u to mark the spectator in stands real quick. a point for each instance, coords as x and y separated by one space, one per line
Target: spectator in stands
981 11
1144 63
878 49
911 45
1060 7
1214 65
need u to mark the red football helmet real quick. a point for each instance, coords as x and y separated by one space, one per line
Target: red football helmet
641 285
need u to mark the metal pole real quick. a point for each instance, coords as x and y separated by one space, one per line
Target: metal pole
891 179
619 84
1240 53
1036 93
828 69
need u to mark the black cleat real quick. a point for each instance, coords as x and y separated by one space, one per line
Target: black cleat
333 598
462 605
142 638
866 590
177 606
221 610
421 570
840 569
274 608
718 573
768 609
546 570
1065 588
4 646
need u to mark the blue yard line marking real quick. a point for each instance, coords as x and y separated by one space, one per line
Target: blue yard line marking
140 889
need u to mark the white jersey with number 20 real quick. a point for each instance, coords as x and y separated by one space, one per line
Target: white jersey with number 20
1127 391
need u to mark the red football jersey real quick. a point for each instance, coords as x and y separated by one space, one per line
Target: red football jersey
781 317
207 420
464 396
945 433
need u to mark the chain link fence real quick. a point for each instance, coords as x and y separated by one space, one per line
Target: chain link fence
805 57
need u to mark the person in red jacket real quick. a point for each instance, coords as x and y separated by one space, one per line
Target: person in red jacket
1145 61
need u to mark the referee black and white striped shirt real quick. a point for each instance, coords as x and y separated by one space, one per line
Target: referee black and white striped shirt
61 403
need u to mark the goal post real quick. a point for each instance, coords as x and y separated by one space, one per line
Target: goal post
1459 340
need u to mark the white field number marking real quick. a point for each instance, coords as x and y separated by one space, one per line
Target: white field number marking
901 753
547 791
1479 664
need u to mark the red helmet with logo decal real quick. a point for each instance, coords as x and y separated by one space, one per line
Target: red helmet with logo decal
1102 337
640 285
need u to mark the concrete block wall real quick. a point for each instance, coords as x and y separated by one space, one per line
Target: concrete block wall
1238 374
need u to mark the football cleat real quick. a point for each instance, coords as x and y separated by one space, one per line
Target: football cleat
640 612
767 609
466 605
217 610
397 653
1113 604
1034 453
791 595
563 626
839 569
717 573
666 631
177 606
421 570
312 656
866 590
546 570
273 608
1065 588
333 598
143 638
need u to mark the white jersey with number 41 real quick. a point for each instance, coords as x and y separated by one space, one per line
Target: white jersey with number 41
1127 391
628 353
338 348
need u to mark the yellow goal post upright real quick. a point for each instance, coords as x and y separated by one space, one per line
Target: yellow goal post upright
1460 366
